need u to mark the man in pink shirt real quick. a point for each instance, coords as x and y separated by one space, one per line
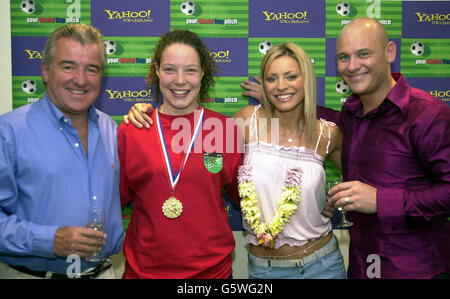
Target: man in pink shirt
396 163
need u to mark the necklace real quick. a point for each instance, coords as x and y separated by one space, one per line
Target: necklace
291 139
288 204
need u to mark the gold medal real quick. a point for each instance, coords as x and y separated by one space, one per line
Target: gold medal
172 208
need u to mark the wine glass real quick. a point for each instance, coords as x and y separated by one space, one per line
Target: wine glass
96 220
344 222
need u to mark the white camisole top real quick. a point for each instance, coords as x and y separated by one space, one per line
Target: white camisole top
269 164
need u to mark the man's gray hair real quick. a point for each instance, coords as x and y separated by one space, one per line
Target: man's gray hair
82 33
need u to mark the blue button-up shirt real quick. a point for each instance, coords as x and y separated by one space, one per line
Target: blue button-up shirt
47 181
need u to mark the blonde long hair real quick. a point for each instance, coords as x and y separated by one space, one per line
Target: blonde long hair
308 119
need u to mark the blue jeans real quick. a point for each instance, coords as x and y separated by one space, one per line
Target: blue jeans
330 266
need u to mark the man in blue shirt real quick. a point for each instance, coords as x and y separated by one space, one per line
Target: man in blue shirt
58 158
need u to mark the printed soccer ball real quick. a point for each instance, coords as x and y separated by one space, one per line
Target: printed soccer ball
110 46
28 6
264 47
188 7
29 86
343 9
342 87
417 48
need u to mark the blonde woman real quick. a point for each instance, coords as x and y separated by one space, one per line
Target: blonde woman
283 175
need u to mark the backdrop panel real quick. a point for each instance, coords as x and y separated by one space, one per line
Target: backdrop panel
238 33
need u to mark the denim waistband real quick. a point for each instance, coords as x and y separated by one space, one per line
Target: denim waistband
331 246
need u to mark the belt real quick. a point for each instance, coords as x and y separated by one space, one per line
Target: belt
90 273
262 262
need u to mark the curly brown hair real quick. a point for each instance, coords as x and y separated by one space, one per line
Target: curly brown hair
189 38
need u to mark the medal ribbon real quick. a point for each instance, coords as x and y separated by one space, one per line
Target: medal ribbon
173 179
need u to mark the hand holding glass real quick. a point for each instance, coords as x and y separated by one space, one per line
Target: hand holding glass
344 222
96 221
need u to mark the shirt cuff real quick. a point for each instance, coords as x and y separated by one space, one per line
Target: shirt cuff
391 212
43 241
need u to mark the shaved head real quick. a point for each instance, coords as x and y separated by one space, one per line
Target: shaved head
364 57
367 27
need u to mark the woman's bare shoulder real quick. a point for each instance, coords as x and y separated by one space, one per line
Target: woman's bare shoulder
247 111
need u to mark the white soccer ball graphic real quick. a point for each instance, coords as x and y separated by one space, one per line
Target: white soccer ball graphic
188 7
342 87
28 6
29 86
418 48
343 9
110 46
264 47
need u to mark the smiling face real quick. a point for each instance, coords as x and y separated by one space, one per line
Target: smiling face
74 77
284 84
363 59
180 75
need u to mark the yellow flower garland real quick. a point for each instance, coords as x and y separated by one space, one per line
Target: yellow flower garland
289 200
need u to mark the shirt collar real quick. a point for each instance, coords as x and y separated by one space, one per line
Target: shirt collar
58 116
399 96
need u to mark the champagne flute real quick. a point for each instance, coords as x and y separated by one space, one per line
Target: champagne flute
96 221
344 222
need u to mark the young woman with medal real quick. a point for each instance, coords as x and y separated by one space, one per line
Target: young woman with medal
282 179
173 173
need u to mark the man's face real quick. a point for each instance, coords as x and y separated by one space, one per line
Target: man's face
74 76
363 61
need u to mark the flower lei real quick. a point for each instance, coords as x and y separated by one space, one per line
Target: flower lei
289 200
